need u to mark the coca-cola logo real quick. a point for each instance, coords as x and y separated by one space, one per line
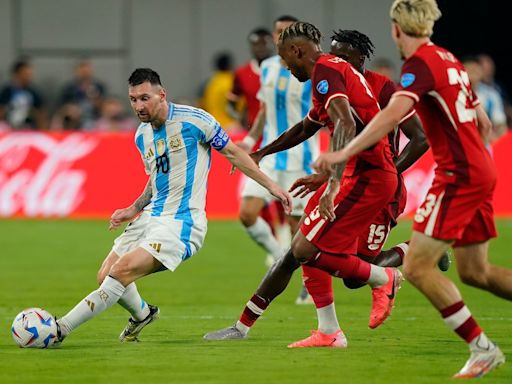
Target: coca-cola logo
36 175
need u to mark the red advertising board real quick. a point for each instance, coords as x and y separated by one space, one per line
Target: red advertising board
91 175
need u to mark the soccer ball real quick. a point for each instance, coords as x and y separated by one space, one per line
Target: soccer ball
34 328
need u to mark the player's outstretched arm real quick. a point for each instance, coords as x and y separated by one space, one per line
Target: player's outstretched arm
121 215
379 127
484 123
241 160
417 145
297 134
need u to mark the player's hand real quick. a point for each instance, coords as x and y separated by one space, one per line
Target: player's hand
256 157
324 162
326 204
304 185
283 197
121 215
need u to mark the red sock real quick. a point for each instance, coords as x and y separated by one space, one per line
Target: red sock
253 310
458 318
343 266
319 285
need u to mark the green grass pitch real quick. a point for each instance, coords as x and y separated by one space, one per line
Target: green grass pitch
53 264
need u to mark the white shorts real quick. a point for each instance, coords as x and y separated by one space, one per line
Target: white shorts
284 179
169 240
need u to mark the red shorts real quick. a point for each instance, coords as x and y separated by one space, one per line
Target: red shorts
372 239
462 213
355 206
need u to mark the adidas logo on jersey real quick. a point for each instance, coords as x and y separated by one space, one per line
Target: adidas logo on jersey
156 246
150 154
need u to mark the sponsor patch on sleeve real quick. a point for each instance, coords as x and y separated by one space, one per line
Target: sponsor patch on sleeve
322 87
407 79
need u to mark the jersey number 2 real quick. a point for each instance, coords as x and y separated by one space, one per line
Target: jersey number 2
464 113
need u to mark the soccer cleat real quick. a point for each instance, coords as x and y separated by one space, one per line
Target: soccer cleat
319 339
304 297
134 327
383 298
444 263
229 333
60 337
480 363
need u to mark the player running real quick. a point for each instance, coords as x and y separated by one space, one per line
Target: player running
458 208
355 47
334 218
175 143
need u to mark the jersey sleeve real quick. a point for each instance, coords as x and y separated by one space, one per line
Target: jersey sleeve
207 130
313 116
416 79
328 84
386 92
139 142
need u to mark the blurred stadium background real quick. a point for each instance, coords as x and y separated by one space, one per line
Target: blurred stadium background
86 172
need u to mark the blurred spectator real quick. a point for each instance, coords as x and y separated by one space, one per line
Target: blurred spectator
247 77
384 67
68 118
114 117
488 77
21 106
85 91
489 97
214 96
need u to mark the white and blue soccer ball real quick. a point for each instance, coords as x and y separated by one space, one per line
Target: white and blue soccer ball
34 328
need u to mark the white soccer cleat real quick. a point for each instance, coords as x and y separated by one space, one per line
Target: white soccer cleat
480 363
134 327
229 333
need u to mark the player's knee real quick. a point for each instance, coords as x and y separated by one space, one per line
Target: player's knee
248 217
298 253
288 262
412 273
122 271
473 277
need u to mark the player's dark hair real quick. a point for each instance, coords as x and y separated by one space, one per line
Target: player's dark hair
223 61
259 32
19 65
301 29
286 18
356 39
141 75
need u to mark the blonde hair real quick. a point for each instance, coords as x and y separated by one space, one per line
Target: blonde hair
415 17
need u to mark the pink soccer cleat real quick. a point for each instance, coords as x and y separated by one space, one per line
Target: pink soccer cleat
383 298
319 339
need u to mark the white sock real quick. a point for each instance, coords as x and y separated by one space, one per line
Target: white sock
95 303
242 327
261 233
327 320
481 342
378 276
133 303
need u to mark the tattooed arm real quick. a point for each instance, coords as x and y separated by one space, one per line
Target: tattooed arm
344 131
125 214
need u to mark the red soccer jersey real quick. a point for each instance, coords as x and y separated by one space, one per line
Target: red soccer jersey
383 88
333 77
247 84
438 83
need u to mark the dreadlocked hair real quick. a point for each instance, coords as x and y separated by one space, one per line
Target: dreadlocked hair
301 29
356 39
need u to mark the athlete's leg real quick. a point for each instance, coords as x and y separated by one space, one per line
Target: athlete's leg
131 299
123 272
257 228
475 270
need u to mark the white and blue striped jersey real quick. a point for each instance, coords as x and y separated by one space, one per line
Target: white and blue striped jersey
177 157
287 102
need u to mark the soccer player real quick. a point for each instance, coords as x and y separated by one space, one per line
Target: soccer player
285 101
333 219
458 208
246 82
168 222
355 47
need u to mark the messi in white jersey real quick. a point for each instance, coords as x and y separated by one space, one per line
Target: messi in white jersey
175 143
